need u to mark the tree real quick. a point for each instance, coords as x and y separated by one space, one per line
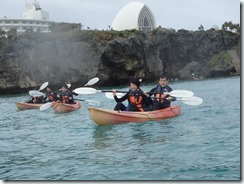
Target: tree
65 27
201 27
2 33
12 33
229 26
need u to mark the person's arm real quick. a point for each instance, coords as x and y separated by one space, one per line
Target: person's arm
148 94
168 97
123 98
70 95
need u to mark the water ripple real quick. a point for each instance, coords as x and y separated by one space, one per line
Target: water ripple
201 144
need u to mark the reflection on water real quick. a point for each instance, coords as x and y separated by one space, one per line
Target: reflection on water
101 136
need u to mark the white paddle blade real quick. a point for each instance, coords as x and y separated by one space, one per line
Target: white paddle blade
110 95
92 102
85 90
192 100
43 86
68 85
92 81
35 93
45 106
181 93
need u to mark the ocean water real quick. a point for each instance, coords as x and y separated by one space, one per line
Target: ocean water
203 143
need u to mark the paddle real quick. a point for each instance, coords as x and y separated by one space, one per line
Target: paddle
111 96
175 93
191 100
45 106
68 86
43 86
91 102
187 100
89 83
36 93
92 81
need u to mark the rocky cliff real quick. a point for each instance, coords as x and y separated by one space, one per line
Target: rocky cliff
32 58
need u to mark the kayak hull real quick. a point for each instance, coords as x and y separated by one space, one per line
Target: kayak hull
64 108
111 117
27 106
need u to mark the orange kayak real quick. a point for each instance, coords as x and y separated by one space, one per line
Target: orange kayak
62 107
111 117
26 106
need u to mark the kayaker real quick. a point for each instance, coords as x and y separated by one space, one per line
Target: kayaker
50 95
36 100
137 101
161 100
66 96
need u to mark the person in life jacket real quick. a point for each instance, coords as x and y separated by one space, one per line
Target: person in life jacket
66 96
50 95
137 101
36 100
161 100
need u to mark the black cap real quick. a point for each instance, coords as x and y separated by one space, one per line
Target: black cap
136 82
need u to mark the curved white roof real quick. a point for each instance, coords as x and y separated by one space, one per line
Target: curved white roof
127 17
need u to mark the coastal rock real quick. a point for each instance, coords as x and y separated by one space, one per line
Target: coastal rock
75 57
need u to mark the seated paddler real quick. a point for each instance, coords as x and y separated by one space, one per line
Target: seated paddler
66 96
137 101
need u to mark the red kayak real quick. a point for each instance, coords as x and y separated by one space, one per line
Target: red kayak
27 106
63 107
111 117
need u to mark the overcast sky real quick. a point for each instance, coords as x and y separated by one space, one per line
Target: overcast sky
99 14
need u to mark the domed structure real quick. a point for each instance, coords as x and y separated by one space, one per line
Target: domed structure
135 15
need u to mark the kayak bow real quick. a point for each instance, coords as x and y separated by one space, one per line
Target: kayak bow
27 106
63 108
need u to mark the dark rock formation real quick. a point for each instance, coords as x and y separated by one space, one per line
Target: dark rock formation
75 57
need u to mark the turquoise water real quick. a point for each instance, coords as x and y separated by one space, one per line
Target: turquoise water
203 143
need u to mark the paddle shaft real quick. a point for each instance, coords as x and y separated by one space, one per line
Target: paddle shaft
134 92
131 92
181 99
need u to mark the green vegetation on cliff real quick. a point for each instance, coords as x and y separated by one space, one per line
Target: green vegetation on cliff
220 60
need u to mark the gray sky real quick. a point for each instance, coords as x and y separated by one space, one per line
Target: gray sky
99 14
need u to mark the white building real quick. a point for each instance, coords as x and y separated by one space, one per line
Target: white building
135 15
33 18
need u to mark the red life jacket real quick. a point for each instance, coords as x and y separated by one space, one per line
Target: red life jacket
37 99
65 99
137 100
160 97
